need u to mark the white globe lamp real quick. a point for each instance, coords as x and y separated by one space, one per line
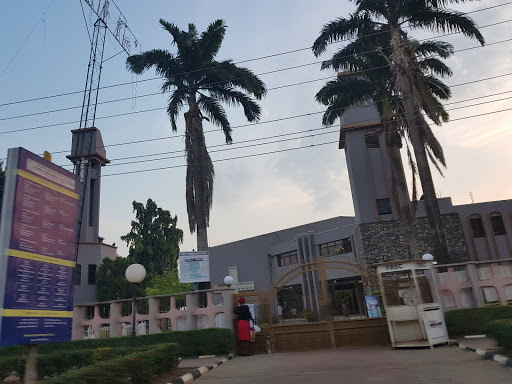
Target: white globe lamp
228 280
427 257
135 273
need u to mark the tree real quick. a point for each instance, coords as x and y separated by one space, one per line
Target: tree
111 283
154 238
389 18
196 80
368 76
2 182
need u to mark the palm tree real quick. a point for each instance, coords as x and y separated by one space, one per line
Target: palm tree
388 18
197 81
369 77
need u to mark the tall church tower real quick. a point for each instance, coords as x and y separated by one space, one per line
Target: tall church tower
89 156
369 165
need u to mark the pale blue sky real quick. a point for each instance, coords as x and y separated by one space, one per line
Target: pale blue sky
258 194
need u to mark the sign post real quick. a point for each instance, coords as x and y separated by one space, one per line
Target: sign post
194 267
38 234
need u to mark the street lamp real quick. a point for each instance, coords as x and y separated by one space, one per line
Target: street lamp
135 274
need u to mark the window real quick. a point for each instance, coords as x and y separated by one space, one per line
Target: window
91 277
372 139
477 226
384 206
91 202
490 295
336 247
287 258
77 275
498 226
484 272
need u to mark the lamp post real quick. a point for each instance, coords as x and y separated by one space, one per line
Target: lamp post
135 274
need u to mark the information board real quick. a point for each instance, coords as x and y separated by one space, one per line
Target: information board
194 267
38 234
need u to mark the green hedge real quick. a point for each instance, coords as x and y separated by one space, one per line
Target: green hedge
472 321
56 358
501 330
137 368
195 342
10 364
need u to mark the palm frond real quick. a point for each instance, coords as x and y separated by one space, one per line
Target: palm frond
216 114
435 47
176 102
163 61
438 88
446 21
211 39
435 66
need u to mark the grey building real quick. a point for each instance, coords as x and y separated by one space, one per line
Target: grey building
474 232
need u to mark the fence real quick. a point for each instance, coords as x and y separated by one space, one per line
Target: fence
154 314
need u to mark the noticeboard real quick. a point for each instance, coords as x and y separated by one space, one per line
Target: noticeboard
194 267
38 234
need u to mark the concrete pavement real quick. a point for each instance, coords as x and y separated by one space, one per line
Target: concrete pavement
444 364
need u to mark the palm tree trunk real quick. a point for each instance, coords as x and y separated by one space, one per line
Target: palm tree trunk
199 179
413 114
406 217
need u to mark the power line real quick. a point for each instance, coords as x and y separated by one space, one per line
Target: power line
275 151
262 57
230 147
292 117
156 109
28 37
265 73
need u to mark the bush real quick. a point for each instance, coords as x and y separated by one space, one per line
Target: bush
10 364
501 330
136 368
471 321
195 342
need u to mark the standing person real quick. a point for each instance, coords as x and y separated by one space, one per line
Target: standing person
243 315
280 313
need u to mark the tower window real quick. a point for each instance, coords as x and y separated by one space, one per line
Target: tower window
384 206
498 226
372 140
477 226
77 275
91 277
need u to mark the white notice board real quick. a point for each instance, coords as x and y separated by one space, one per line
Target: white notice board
194 267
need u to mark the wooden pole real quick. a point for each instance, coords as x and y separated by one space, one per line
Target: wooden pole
31 365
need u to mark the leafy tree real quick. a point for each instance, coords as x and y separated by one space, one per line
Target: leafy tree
389 18
111 283
196 80
154 238
2 182
167 283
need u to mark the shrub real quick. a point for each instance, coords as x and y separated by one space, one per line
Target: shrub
501 330
470 321
10 364
136 368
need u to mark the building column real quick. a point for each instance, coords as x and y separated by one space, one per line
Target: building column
473 278
191 304
77 332
227 301
154 309
116 327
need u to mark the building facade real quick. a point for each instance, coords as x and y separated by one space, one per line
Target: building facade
475 233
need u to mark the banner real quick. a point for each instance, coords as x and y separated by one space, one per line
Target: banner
373 307
38 234
194 267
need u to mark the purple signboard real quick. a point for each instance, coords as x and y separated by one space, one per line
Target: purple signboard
38 234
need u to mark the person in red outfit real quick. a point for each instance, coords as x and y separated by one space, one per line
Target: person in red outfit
243 329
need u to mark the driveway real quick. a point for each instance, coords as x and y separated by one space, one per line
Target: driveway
444 364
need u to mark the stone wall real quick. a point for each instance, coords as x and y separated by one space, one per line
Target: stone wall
385 241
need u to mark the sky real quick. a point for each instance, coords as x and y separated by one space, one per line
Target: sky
45 52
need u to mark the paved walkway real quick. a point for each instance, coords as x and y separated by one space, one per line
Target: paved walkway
444 364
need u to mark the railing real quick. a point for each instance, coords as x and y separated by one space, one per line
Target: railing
475 284
178 311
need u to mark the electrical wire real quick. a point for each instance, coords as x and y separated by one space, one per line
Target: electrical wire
275 151
259 58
